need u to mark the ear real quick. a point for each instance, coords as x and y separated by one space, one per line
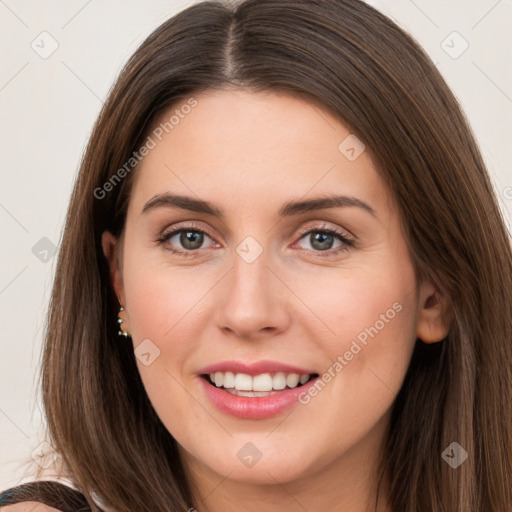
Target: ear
111 251
434 316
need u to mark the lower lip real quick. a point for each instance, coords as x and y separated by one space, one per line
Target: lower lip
254 408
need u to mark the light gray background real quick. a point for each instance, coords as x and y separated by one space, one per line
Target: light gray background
49 105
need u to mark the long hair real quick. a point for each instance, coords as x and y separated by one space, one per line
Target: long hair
377 80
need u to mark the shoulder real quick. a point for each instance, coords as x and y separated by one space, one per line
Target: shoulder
29 506
42 496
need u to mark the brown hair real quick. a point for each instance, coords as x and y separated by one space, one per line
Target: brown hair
367 71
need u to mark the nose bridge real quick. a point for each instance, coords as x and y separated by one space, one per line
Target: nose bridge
251 299
250 285
250 274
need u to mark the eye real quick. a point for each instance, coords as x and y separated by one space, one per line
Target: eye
322 239
189 237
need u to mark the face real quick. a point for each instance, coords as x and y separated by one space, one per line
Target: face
259 295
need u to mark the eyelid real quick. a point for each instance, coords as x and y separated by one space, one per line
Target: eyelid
320 225
187 224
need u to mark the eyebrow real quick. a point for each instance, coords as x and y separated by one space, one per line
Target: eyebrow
291 208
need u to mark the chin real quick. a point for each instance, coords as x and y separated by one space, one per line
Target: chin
244 462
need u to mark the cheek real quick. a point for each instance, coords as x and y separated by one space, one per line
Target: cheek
371 318
365 323
356 302
163 298
162 303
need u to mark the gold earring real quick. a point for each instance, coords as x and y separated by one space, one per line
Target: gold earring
120 320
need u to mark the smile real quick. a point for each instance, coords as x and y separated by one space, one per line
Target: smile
255 396
265 384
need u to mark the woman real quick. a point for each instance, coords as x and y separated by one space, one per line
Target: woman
343 344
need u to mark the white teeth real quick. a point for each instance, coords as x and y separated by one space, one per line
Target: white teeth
304 378
243 382
219 379
229 380
292 380
263 383
251 393
279 381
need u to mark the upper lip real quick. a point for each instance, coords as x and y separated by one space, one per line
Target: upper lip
255 368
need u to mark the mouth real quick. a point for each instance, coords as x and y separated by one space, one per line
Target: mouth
255 397
255 386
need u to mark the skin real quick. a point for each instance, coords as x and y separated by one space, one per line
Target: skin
29 506
250 153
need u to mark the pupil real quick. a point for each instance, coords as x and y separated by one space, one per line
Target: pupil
187 237
321 237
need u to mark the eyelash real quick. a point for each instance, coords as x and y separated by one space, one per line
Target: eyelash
347 243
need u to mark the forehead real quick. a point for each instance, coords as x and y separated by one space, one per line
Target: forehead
253 146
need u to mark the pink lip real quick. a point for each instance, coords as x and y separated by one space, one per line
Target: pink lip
254 408
254 368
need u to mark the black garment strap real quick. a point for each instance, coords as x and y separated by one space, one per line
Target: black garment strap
53 494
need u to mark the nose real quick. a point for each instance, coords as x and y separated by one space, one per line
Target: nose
253 301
